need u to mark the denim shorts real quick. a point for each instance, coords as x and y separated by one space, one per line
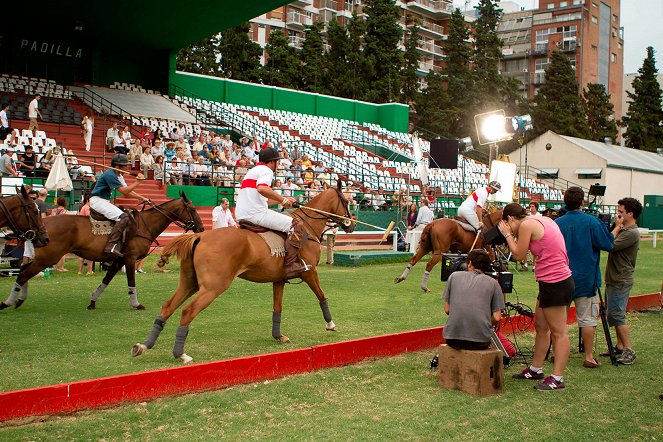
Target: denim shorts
617 297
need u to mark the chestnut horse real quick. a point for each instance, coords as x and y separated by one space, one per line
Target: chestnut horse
443 236
20 214
73 234
209 262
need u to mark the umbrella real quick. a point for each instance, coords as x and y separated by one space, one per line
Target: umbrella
58 178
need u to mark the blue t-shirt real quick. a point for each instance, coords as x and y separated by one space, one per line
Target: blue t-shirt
107 182
585 236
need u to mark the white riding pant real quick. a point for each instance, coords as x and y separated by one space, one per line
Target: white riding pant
106 208
271 220
28 250
470 214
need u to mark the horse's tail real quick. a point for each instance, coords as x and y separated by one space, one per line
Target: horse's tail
182 247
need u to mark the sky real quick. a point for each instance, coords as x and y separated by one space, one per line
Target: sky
641 20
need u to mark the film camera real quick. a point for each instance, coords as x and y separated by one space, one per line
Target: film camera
453 262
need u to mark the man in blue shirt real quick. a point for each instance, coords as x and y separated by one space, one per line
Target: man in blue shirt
110 180
585 236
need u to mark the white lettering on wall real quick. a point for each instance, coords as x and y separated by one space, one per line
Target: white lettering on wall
51 48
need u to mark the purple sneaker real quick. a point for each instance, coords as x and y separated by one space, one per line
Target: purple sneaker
550 384
529 375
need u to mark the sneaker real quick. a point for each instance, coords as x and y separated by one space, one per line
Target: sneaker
550 384
606 354
528 375
627 357
140 271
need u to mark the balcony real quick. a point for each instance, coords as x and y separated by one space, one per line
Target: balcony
539 79
295 41
431 48
296 20
440 8
328 4
567 46
541 49
431 29
301 3
544 19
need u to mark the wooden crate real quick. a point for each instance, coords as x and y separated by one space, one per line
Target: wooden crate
478 372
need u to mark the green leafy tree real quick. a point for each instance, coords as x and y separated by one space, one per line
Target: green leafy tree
359 68
488 84
599 112
559 106
382 39
336 59
432 105
282 67
200 57
240 56
412 56
645 115
312 56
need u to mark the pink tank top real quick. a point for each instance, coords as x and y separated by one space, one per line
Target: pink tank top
552 262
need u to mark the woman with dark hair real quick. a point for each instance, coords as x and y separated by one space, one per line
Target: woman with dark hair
542 237
410 223
157 135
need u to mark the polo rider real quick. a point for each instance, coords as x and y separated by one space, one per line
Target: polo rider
472 208
113 179
256 194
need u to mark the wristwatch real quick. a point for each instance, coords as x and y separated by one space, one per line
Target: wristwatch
507 236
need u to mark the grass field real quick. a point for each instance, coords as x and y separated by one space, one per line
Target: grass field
53 339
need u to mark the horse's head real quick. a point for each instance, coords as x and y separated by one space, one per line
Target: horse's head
189 216
491 220
346 224
333 203
23 218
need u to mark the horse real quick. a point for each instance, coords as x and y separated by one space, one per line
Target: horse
442 236
73 234
20 214
209 262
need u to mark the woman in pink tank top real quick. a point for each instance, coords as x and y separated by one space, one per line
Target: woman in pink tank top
542 237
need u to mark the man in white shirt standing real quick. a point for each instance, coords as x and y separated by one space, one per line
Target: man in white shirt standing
6 132
33 113
221 216
472 208
425 215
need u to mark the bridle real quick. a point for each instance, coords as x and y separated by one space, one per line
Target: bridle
191 224
23 235
336 220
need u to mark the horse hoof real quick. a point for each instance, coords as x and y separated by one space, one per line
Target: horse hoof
19 302
185 358
284 340
138 349
140 307
398 279
92 306
331 326
425 289
3 306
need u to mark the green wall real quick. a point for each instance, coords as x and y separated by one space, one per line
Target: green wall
392 116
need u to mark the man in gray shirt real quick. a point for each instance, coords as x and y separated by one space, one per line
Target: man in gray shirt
473 301
7 167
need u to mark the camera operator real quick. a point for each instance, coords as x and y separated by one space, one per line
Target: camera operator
542 236
585 236
473 302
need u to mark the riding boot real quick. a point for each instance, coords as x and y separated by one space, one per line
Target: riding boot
296 239
114 245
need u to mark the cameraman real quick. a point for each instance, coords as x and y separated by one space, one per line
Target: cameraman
585 236
473 302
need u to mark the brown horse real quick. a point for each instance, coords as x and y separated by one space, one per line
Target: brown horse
20 214
73 234
443 236
209 262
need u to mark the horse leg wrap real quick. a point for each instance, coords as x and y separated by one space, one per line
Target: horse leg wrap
406 272
13 294
133 297
324 306
424 280
98 292
180 338
155 332
276 325
24 291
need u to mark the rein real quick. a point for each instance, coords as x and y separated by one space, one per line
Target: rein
298 213
169 215
27 235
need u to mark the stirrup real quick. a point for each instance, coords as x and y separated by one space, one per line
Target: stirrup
115 251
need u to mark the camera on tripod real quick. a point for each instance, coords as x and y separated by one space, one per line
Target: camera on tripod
453 262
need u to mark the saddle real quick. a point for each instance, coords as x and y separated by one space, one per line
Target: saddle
246 225
103 226
464 224
275 240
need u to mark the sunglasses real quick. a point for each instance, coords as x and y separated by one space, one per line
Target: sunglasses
33 198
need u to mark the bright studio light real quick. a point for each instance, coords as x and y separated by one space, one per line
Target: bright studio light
492 128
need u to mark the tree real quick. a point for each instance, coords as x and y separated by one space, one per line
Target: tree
645 115
382 40
434 112
312 56
200 57
599 112
282 67
412 56
240 56
336 59
359 68
559 106
488 84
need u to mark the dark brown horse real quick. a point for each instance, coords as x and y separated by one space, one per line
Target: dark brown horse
20 214
443 236
209 262
73 234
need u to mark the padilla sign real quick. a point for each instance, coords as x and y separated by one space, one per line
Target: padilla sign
51 48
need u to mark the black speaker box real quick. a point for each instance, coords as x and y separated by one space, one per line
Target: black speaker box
443 154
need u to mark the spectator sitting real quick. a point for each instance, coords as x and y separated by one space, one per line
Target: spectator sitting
159 173
188 171
157 149
7 167
227 142
312 190
204 152
174 171
146 134
73 166
306 162
295 154
135 151
220 175
350 195
289 188
174 135
157 136
182 144
170 151
46 162
379 200
146 161
201 172
367 200
27 162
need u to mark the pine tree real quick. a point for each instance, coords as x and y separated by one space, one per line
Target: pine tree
382 39
487 54
200 57
559 106
336 58
312 56
412 56
599 112
282 67
645 115
360 70
240 56
434 112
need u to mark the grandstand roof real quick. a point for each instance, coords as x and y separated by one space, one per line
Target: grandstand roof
621 157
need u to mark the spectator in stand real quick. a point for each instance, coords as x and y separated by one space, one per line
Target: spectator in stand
126 138
174 134
60 209
200 142
251 149
135 151
73 167
88 129
170 151
85 211
7 167
119 144
34 113
222 217
157 149
367 200
188 171
220 174
381 202
542 236
41 202
146 134
312 190
235 154
201 172
204 152
289 188
6 131
159 173
174 171
182 144
111 133
46 162
306 162
350 195
295 154
27 162
146 161
227 142
157 136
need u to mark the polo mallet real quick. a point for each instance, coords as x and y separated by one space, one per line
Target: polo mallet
475 240
299 206
390 227
107 167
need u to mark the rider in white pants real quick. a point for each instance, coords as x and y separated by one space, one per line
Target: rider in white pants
471 209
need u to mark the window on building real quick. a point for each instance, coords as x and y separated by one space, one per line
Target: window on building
594 4
613 58
615 19
550 6
595 19
578 2
572 59
619 45
563 4
540 64
594 47
614 32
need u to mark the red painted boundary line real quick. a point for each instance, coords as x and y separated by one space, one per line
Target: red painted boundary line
93 393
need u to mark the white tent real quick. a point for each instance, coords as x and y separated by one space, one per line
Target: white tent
58 178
